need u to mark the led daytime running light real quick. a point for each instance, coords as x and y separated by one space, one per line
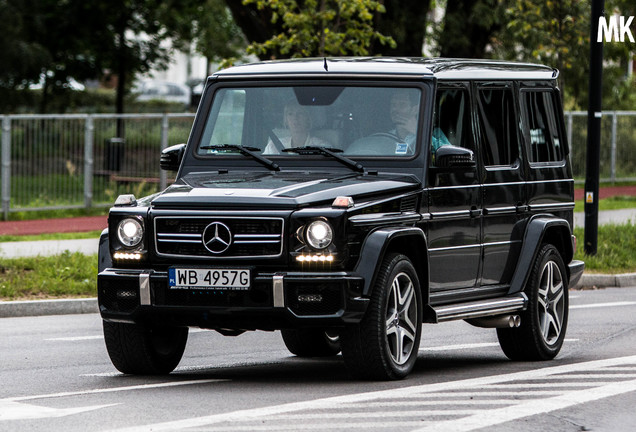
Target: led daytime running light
314 258
127 256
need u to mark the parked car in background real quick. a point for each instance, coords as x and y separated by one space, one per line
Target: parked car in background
346 202
163 91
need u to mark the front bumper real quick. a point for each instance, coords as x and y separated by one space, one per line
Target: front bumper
274 300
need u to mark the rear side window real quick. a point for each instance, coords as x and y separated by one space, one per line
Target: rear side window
498 126
543 129
451 120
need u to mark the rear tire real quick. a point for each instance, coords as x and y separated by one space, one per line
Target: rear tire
140 350
311 342
544 322
384 345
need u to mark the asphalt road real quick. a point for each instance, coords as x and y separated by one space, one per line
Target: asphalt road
55 375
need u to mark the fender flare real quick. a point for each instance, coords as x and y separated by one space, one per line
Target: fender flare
375 247
533 238
104 260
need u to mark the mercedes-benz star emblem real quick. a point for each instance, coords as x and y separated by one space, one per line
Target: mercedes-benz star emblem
217 237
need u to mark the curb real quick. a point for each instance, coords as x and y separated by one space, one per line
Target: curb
14 309
606 281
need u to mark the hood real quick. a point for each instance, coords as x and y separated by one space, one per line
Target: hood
277 190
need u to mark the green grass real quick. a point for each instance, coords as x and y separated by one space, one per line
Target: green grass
612 203
53 236
616 249
61 276
58 213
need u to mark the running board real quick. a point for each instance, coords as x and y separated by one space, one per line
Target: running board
481 308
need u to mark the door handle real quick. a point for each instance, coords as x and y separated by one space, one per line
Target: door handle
475 212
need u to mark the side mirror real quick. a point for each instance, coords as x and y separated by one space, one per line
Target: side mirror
171 157
450 156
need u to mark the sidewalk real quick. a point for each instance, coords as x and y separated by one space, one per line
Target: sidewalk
52 226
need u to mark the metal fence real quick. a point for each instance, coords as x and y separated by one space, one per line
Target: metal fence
74 161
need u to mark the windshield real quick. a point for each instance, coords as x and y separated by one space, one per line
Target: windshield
352 121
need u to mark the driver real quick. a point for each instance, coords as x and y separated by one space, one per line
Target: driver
297 119
403 109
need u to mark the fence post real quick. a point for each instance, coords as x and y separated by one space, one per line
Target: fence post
569 133
163 176
6 166
613 148
89 143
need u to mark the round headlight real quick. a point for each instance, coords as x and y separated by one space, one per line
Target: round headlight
130 232
319 234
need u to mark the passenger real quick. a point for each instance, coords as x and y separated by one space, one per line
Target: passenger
296 118
404 110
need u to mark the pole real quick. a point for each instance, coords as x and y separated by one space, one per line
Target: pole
594 115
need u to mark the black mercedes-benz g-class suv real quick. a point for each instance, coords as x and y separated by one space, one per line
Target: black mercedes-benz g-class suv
345 202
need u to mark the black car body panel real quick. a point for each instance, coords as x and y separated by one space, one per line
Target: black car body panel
309 230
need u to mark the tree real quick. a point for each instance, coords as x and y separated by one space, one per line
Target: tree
468 27
558 33
216 36
320 28
405 22
402 20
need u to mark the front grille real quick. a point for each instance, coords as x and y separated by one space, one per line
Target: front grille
250 237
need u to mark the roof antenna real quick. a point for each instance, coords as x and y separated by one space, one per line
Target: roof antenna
325 65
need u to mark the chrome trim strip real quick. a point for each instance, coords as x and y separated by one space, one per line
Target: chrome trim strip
179 241
278 290
558 206
144 289
551 181
434 188
178 235
258 236
501 243
450 214
455 247
256 242
384 218
500 210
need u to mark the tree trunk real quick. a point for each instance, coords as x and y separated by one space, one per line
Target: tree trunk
121 83
405 21
465 35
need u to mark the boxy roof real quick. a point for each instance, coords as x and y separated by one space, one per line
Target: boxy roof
456 69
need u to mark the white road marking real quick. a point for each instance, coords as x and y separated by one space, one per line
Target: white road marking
101 336
597 305
469 346
517 410
537 406
112 390
390 425
10 410
73 339
374 414
423 403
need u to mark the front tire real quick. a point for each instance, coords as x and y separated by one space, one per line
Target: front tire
311 342
384 345
544 322
140 350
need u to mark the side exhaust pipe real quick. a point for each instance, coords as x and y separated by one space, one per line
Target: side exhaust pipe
499 321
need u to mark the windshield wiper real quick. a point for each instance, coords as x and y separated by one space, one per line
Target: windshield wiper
327 151
247 151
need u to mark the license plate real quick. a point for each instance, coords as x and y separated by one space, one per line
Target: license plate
212 279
